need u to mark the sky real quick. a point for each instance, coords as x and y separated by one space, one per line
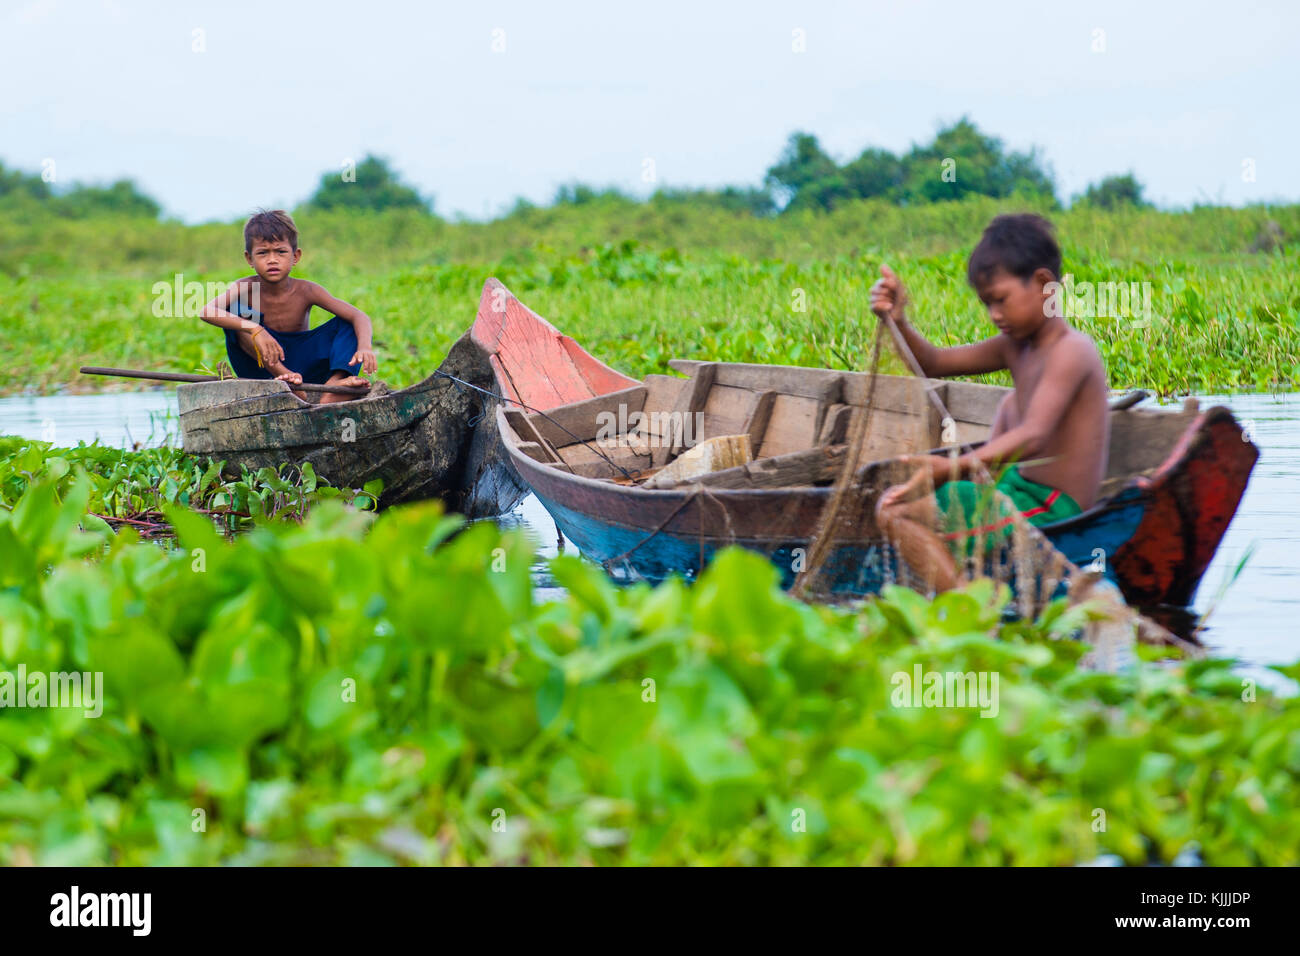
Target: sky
218 108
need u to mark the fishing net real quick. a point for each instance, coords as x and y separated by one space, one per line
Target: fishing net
1025 559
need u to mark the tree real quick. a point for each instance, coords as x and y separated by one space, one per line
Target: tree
962 161
1115 191
747 199
875 173
802 163
14 183
374 187
122 198
579 194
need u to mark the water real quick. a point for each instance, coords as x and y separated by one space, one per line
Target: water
117 419
1255 620
1258 617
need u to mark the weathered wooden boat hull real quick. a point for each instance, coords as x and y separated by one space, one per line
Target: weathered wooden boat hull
1175 481
533 366
1153 539
415 440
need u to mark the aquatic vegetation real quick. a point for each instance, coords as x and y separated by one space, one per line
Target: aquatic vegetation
136 487
362 689
639 284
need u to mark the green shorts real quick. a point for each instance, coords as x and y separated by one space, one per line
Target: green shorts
981 512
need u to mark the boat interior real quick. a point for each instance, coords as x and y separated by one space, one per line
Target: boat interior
796 422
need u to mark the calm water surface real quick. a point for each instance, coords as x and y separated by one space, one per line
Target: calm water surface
1257 619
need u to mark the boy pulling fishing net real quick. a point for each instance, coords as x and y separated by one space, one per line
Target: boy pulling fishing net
266 317
1050 436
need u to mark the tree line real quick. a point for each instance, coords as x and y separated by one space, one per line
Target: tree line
960 161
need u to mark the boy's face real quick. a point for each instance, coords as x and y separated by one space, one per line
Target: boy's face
1015 305
272 259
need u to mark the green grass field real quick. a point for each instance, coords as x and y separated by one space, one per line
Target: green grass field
639 284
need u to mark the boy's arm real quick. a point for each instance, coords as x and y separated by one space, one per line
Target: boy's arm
252 338
365 353
215 312
888 301
1064 373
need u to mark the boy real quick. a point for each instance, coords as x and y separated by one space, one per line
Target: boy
277 342
1050 435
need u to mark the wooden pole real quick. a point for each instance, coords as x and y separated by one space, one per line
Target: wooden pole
186 377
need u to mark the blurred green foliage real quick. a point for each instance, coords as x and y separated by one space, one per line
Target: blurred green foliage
960 161
371 186
638 284
28 197
1115 191
366 690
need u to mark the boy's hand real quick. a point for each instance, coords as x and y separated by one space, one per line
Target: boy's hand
367 359
931 471
271 351
888 296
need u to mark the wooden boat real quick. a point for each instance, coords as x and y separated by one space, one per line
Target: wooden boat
1173 484
415 439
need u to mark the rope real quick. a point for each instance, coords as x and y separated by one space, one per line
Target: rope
502 398
824 534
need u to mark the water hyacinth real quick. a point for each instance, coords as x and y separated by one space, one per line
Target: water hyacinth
352 688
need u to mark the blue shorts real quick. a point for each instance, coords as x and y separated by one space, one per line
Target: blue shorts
315 354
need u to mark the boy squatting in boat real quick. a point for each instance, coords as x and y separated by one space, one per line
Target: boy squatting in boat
1050 436
277 341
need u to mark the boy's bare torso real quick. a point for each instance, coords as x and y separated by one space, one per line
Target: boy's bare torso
1074 459
285 305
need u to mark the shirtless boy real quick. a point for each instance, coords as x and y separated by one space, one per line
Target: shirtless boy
277 341
1050 435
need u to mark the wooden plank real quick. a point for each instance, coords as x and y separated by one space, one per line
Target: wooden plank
974 403
759 418
792 425
796 420
790 379
690 400
525 432
835 426
727 411
967 401
898 392
832 393
1141 439
797 469
247 408
662 392
533 450
593 461
583 421
801 469
892 434
894 392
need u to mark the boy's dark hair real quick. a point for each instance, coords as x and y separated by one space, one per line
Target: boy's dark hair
1020 244
269 227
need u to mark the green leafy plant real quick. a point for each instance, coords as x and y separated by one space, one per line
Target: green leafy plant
295 698
136 487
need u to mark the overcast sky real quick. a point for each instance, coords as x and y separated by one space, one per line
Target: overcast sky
477 103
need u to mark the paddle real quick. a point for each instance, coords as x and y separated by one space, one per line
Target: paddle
186 377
